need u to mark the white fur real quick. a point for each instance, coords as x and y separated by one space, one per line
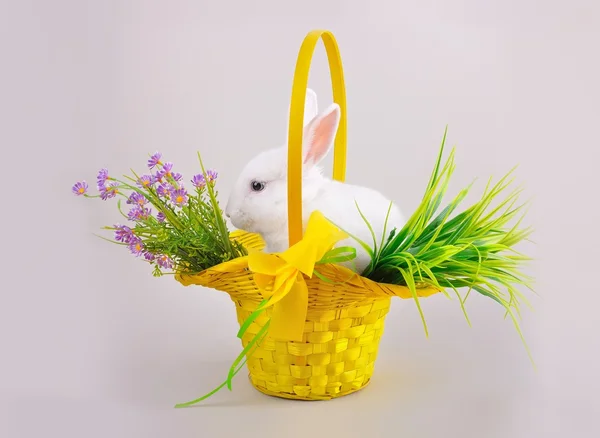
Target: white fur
265 212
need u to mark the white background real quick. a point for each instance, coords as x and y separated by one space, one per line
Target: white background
93 346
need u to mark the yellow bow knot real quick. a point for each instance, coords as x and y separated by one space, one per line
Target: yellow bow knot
280 276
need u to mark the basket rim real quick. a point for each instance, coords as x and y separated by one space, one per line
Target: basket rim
256 243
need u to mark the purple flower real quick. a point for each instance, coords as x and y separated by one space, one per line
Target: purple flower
80 188
134 213
109 191
212 175
149 256
165 172
160 216
138 213
164 190
154 160
199 181
137 198
164 262
145 181
179 197
136 246
124 234
102 177
177 176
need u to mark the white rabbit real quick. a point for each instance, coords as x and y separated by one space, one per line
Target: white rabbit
258 202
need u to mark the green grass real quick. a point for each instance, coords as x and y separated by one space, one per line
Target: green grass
472 250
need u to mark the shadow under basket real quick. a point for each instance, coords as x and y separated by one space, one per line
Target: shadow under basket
336 356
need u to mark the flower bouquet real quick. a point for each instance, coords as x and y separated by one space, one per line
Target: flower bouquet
171 227
310 326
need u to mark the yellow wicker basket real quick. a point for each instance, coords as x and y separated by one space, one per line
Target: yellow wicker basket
343 317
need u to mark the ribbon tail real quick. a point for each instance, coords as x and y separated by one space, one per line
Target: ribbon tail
289 314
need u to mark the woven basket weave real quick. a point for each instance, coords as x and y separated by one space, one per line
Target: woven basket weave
345 319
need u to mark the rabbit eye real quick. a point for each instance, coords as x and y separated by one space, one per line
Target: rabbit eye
257 186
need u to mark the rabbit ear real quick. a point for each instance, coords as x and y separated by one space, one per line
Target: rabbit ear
319 134
311 107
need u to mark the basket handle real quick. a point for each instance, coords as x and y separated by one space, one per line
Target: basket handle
296 123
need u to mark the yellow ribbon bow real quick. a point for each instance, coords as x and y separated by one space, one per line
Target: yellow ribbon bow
280 276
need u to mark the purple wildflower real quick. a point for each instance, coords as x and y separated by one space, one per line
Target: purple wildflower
145 212
164 190
177 176
212 175
164 262
102 177
145 181
80 188
136 246
154 160
160 216
137 199
179 197
198 180
109 191
124 234
138 213
165 172
149 256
